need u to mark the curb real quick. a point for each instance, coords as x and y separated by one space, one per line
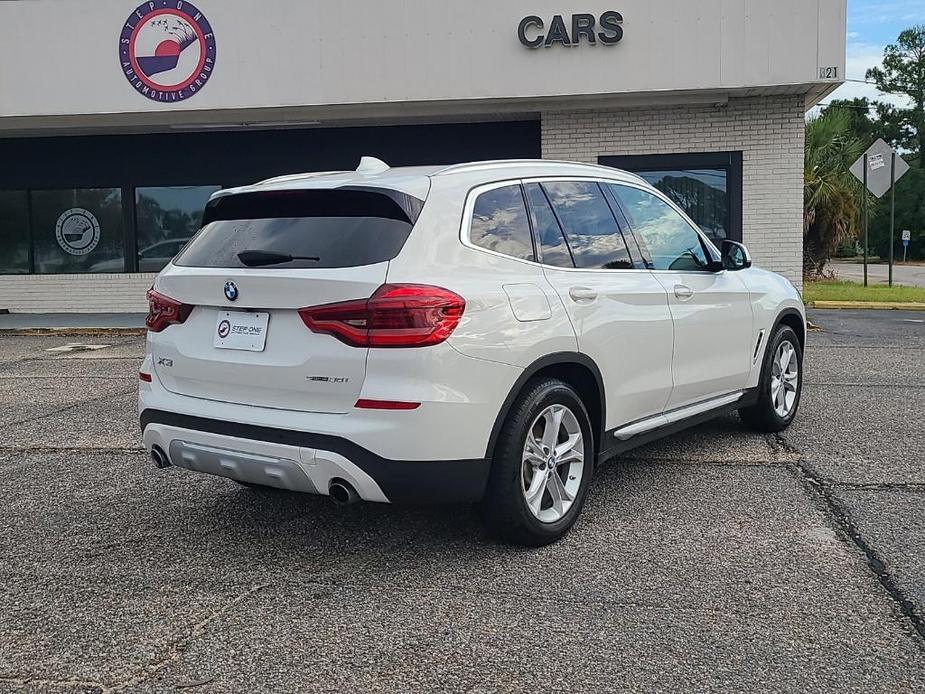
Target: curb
65 332
870 305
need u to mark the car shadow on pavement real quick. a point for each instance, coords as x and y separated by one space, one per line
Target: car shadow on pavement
248 520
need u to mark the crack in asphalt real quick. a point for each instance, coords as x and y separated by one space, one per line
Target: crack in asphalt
891 348
878 486
26 681
823 491
869 385
74 406
702 463
173 651
64 378
71 449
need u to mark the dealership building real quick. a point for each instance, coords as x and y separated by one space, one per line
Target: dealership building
118 120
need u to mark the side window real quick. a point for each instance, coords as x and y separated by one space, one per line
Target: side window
671 242
589 225
499 223
553 249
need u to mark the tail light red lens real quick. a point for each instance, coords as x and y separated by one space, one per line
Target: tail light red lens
396 315
164 311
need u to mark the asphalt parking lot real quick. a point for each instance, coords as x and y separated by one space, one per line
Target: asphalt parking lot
717 560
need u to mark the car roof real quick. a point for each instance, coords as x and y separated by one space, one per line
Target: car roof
416 180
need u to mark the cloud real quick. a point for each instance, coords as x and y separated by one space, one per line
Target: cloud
886 12
860 57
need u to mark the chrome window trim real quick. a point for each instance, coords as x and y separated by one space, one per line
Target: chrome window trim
468 211
474 193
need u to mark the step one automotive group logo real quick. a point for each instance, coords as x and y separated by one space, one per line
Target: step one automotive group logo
167 50
77 231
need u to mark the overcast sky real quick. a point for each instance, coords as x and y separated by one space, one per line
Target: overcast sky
872 24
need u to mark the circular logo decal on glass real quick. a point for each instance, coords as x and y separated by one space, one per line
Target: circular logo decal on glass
167 50
77 231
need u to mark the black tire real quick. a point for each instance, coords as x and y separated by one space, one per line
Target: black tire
762 416
504 508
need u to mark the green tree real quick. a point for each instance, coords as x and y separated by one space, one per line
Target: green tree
903 74
831 195
910 214
858 112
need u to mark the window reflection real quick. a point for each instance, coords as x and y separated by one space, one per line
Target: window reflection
14 232
701 193
548 234
166 218
589 225
671 242
499 223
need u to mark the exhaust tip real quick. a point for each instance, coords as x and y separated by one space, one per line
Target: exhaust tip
159 458
342 493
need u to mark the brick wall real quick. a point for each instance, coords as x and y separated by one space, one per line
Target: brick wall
110 293
768 131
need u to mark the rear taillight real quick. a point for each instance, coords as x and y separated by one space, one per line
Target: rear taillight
164 311
396 315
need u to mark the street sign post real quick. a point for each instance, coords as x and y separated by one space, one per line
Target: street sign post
878 169
866 217
907 236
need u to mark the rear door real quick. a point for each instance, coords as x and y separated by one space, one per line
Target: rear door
618 309
344 238
714 334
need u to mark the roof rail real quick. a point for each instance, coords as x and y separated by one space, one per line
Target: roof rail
504 163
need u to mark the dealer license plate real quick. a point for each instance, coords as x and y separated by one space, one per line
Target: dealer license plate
240 330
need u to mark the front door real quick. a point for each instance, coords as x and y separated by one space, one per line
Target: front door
713 324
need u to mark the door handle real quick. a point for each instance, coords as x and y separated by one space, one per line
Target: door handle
683 292
582 294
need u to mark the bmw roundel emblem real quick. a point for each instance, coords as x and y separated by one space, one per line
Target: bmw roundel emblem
231 291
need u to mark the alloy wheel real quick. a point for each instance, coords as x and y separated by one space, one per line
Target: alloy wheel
785 378
553 463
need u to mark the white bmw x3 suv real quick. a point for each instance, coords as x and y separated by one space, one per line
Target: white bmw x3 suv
486 332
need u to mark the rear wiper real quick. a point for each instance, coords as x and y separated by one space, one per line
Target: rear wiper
260 258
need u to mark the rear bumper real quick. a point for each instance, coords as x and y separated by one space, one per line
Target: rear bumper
307 462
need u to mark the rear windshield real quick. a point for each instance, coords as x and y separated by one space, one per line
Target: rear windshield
344 227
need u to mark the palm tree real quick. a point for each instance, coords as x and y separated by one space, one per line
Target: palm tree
831 195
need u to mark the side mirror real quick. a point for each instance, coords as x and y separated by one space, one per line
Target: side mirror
735 256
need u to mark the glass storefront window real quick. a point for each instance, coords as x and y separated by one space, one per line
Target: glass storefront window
701 193
78 230
14 232
166 218
706 185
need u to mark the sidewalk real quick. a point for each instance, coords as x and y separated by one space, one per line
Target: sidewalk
72 322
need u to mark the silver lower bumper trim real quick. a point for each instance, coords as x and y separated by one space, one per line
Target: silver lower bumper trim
241 466
295 468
